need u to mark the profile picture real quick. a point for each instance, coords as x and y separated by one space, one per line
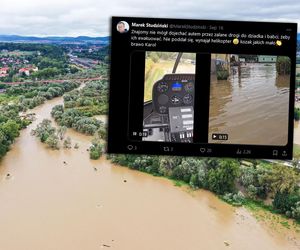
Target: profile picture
122 27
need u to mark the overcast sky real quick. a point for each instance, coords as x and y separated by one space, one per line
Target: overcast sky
91 17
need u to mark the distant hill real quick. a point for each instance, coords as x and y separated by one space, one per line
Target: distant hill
63 40
55 39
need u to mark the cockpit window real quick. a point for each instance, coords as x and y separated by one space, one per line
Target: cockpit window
160 63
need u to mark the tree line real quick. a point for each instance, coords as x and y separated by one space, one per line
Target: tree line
49 50
90 100
20 98
78 109
223 176
51 136
34 94
10 126
72 118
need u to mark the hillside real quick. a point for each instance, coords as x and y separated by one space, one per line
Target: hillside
55 39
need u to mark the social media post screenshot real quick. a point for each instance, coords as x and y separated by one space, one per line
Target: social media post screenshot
202 87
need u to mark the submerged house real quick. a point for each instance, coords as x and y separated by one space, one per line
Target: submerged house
266 59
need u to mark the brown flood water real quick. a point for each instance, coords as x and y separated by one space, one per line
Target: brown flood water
252 108
49 205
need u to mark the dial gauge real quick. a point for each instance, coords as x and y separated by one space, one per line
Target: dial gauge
175 99
189 87
162 87
187 99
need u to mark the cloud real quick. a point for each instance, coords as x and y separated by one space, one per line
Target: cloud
91 17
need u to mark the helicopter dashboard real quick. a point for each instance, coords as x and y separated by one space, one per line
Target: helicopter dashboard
173 109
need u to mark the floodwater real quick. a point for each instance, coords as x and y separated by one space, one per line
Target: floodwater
251 108
61 200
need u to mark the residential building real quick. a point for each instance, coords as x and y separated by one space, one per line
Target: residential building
28 70
25 71
266 59
4 71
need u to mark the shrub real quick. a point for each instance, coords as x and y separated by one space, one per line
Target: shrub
234 199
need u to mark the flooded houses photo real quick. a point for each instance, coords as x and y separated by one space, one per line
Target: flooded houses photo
249 98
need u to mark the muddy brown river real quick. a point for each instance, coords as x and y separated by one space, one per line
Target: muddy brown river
252 108
86 205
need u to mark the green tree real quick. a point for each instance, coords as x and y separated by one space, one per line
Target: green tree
61 131
44 130
283 201
282 179
297 114
222 179
96 150
52 141
295 211
101 132
10 129
67 143
167 165
283 65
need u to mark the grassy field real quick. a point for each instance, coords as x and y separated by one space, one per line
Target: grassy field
296 152
16 53
158 70
4 99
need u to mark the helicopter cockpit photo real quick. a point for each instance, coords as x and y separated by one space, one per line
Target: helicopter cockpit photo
169 97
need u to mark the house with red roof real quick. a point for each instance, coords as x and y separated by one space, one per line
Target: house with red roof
27 70
4 71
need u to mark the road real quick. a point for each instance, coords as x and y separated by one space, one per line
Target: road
56 80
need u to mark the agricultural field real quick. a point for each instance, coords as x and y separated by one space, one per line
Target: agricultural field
16 53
